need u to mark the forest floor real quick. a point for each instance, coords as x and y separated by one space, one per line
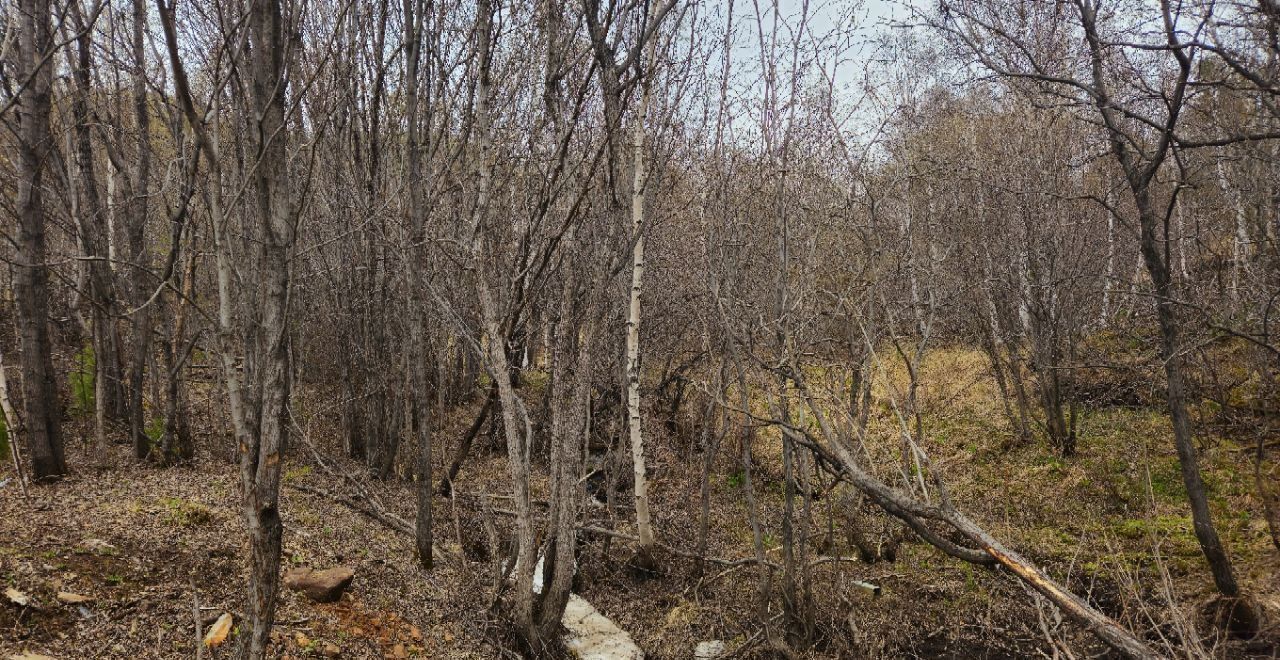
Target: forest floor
151 551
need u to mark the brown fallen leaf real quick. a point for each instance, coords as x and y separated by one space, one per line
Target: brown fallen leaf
218 633
415 633
17 597
73 598
399 651
31 656
301 639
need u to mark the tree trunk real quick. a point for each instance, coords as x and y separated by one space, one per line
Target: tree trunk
262 448
92 231
138 189
514 417
1139 178
1201 517
421 404
177 444
644 526
837 451
42 408
464 446
571 362
9 419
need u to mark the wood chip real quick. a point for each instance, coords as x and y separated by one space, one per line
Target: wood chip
73 598
218 633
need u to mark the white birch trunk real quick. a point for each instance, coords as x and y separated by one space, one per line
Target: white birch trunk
644 527
1109 278
11 427
1239 246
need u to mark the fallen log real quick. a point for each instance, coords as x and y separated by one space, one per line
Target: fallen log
913 512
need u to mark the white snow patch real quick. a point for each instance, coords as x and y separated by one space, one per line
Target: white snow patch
592 636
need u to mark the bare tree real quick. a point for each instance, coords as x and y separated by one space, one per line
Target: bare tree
42 418
1143 142
414 15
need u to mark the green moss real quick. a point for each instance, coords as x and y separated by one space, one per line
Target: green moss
970 581
154 431
1174 533
1051 461
1131 529
82 385
1166 480
534 380
184 513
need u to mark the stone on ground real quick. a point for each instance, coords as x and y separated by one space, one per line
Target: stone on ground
324 586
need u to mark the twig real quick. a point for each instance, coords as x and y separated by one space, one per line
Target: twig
195 616
371 506
750 641
495 552
391 520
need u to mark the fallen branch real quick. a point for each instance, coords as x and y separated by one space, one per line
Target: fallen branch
367 503
390 520
195 616
913 512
